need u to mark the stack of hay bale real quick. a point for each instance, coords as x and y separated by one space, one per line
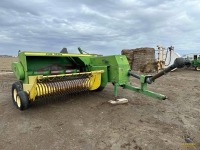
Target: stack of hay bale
141 59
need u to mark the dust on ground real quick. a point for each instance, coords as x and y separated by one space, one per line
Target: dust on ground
88 122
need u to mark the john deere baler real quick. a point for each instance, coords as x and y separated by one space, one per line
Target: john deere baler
46 74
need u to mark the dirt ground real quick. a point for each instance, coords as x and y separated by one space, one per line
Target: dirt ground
88 122
5 63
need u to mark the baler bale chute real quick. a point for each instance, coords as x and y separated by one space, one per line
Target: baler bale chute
45 74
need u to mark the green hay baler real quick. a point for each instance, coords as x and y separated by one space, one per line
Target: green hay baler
46 74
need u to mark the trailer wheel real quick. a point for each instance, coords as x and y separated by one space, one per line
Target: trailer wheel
197 68
16 87
22 100
99 89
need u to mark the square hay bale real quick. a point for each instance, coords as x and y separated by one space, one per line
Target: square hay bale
139 58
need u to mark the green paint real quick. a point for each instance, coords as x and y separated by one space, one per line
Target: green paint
117 67
18 70
115 89
196 62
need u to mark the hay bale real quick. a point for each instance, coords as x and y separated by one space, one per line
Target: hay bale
142 56
141 59
149 67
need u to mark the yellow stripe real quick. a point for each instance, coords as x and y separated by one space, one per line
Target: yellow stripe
53 54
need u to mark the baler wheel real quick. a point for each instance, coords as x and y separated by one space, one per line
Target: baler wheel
99 89
197 68
22 100
16 87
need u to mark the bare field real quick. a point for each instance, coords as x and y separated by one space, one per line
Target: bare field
88 122
6 63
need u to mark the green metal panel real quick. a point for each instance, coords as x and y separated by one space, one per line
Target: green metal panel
117 65
22 60
85 60
18 70
196 62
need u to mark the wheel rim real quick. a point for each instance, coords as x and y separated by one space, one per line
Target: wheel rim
18 100
15 94
198 68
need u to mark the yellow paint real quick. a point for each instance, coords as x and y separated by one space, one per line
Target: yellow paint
54 54
31 87
27 87
33 92
95 80
18 100
15 94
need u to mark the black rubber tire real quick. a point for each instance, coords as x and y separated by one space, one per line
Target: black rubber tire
99 89
22 97
18 87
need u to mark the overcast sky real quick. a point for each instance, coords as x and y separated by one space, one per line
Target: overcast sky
98 26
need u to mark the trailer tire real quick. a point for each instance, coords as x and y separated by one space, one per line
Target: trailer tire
99 89
22 100
16 87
